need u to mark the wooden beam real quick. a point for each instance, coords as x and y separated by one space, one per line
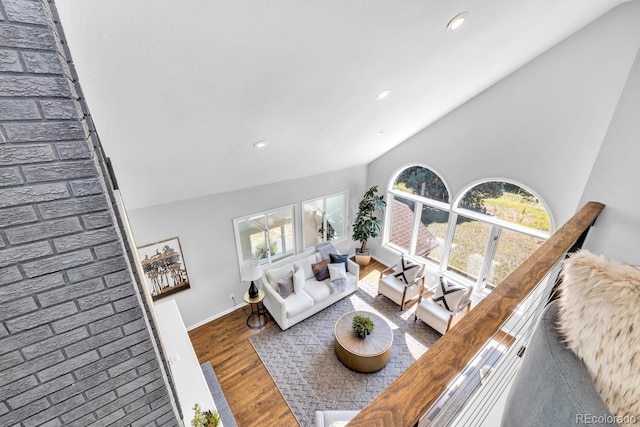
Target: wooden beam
413 393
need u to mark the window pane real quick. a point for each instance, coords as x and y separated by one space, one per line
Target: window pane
312 222
422 182
252 238
431 233
468 248
513 248
324 219
401 223
508 202
280 225
335 213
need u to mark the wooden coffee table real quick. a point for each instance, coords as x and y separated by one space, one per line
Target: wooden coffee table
368 354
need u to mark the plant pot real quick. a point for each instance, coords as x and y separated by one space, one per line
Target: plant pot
363 258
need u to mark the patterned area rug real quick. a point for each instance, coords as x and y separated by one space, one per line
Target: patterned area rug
304 366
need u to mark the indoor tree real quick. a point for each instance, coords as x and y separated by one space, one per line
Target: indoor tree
367 224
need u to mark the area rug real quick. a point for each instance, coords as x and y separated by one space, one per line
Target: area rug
304 366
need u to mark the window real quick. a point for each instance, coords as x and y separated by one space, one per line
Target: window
265 237
418 213
493 227
498 226
323 219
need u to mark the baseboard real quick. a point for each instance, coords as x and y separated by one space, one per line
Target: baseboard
215 316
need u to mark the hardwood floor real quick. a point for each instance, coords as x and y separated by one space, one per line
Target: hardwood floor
252 395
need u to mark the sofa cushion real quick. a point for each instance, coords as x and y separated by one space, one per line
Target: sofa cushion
296 303
275 274
449 295
285 285
320 270
406 271
305 264
599 317
319 291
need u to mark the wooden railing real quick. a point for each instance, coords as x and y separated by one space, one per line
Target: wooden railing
419 387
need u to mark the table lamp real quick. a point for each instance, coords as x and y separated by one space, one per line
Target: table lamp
251 270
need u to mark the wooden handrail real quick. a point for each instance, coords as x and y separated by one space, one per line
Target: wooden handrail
405 400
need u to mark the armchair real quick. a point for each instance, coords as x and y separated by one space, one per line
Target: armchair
449 304
402 282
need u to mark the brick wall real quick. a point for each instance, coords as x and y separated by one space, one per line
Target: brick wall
76 342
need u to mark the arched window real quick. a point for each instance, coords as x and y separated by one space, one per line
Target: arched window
497 226
417 213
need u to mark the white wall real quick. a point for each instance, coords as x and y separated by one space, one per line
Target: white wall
205 228
541 126
615 180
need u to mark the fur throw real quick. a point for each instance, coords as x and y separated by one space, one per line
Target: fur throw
599 315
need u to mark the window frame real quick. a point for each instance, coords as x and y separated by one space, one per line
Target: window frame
345 194
441 267
419 201
265 214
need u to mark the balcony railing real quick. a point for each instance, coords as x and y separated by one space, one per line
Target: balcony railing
408 400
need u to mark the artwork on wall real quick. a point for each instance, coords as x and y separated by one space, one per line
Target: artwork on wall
164 269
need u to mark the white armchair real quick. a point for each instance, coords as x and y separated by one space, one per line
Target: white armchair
449 304
403 282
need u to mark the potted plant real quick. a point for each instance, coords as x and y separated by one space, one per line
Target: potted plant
367 224
362 325
204 418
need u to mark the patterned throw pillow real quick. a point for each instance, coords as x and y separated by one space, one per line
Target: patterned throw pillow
285 285
338 275
449 295
406 271
320 270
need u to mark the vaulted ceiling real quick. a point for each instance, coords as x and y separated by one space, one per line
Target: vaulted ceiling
181 91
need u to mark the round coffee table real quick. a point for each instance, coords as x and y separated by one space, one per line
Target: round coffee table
368 354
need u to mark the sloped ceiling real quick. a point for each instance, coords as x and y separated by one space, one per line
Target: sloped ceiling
180 91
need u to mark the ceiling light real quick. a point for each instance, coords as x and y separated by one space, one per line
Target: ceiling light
261 144
379 133
383 94
457 21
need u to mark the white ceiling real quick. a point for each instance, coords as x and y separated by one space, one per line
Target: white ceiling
180 91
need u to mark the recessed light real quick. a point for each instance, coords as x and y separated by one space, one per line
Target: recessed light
261 144
379 133
383 94
457 21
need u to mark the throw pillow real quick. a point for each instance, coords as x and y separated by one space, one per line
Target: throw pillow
285 285
405 270
326 248
449 295
320 270
338 276
337 258
599 318
298 280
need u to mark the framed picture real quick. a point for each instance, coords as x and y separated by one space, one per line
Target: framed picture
165 272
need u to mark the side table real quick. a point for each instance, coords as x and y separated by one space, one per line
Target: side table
258 317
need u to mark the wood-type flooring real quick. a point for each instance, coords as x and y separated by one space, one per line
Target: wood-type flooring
252 395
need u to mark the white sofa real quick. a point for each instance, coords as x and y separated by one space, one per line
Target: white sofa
314 297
